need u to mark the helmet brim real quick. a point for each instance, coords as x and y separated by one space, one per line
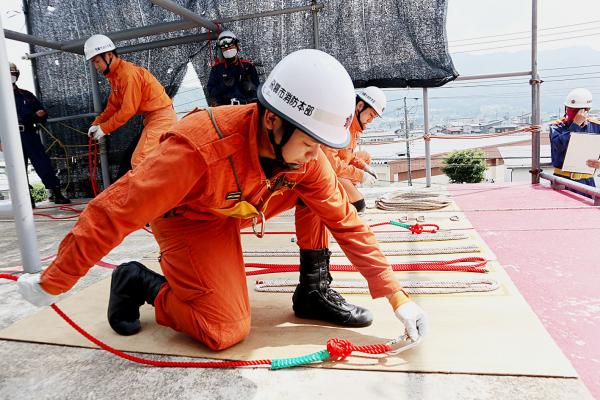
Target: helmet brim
335 145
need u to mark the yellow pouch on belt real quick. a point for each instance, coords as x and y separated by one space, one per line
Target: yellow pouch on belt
573 175
242 209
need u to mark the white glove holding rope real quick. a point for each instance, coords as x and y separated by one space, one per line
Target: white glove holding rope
371 171
29 287
414 319
368 179
96 132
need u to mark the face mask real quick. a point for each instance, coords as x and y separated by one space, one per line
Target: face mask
13 79
571 112
231 53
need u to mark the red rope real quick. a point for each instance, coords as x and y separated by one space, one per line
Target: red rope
146 361
93 163
54 217
457 265
339 349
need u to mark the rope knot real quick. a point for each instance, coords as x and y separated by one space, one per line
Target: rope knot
339 349
416 229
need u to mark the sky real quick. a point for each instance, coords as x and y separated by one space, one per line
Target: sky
561 23
473 26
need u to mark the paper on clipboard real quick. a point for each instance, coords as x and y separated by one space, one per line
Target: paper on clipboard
582 147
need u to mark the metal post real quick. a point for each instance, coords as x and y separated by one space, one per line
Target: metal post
406 134
315 18
23 37
98 109
535 98
15 167
427 142
187 14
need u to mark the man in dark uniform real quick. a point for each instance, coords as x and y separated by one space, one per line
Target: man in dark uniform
232 80
29 112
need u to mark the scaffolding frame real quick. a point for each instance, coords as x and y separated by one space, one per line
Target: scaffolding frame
190 20
19 206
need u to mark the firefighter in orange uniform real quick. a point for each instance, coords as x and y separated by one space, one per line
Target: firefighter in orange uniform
134 90
214 173
353 167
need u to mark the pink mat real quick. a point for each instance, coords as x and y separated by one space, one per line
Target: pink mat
549 243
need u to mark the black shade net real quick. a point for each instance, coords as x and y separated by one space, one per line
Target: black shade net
384 43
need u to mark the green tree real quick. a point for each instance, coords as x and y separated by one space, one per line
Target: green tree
465 166
39 192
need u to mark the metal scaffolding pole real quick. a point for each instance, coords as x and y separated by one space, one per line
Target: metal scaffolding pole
492 76
23 37
407 136
76 46
535 98
72 117
134 33
186 14
15 168
98 109
273 13
168 42
314 7
427 142
559 183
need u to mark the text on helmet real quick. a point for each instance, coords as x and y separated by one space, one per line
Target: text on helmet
290 99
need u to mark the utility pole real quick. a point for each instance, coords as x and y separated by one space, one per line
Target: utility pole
406 130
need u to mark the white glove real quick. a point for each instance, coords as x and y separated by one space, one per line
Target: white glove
29 287
368 179
96 132
414 319
371 171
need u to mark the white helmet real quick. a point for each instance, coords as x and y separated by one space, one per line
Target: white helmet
313 91
579 98
226 38
374 97
97 44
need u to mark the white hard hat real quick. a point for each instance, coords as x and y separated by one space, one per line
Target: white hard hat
579 98
313 91
226 38
374 97
97 44
13 68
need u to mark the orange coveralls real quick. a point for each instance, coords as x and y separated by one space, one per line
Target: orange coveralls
345 162
180 187
134 90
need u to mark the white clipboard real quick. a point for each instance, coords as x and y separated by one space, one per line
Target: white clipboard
582 147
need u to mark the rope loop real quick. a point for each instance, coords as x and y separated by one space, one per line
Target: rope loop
339 349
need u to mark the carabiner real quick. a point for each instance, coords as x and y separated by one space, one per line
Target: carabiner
262 225
404 338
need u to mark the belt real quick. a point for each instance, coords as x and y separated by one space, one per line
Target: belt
572 175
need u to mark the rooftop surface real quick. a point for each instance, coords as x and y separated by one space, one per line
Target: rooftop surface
546 240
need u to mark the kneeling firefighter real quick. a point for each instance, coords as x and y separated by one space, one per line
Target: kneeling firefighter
218 171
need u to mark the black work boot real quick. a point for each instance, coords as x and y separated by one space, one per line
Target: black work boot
57 197
131 286
314 299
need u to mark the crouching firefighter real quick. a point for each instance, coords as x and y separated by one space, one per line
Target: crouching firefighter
218 171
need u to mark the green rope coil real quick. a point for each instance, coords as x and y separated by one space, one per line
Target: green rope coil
280 363
407 226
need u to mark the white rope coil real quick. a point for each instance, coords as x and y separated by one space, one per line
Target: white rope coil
413 201
411 287
411 237
387 252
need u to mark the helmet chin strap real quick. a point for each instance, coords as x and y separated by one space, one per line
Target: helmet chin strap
107 70
288 130
359 113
